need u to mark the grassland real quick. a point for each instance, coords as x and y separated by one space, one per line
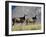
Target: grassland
26 27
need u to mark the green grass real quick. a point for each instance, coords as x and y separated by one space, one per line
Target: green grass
26 27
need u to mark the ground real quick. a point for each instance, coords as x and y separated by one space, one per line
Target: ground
30 26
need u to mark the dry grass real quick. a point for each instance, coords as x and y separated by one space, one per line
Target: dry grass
26 27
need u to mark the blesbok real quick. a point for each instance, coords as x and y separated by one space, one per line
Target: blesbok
31 20
18 19
22 19
34 18
15 20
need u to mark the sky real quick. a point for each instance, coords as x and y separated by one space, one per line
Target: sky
30 11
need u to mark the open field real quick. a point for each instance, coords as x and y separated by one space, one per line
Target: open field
26 27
